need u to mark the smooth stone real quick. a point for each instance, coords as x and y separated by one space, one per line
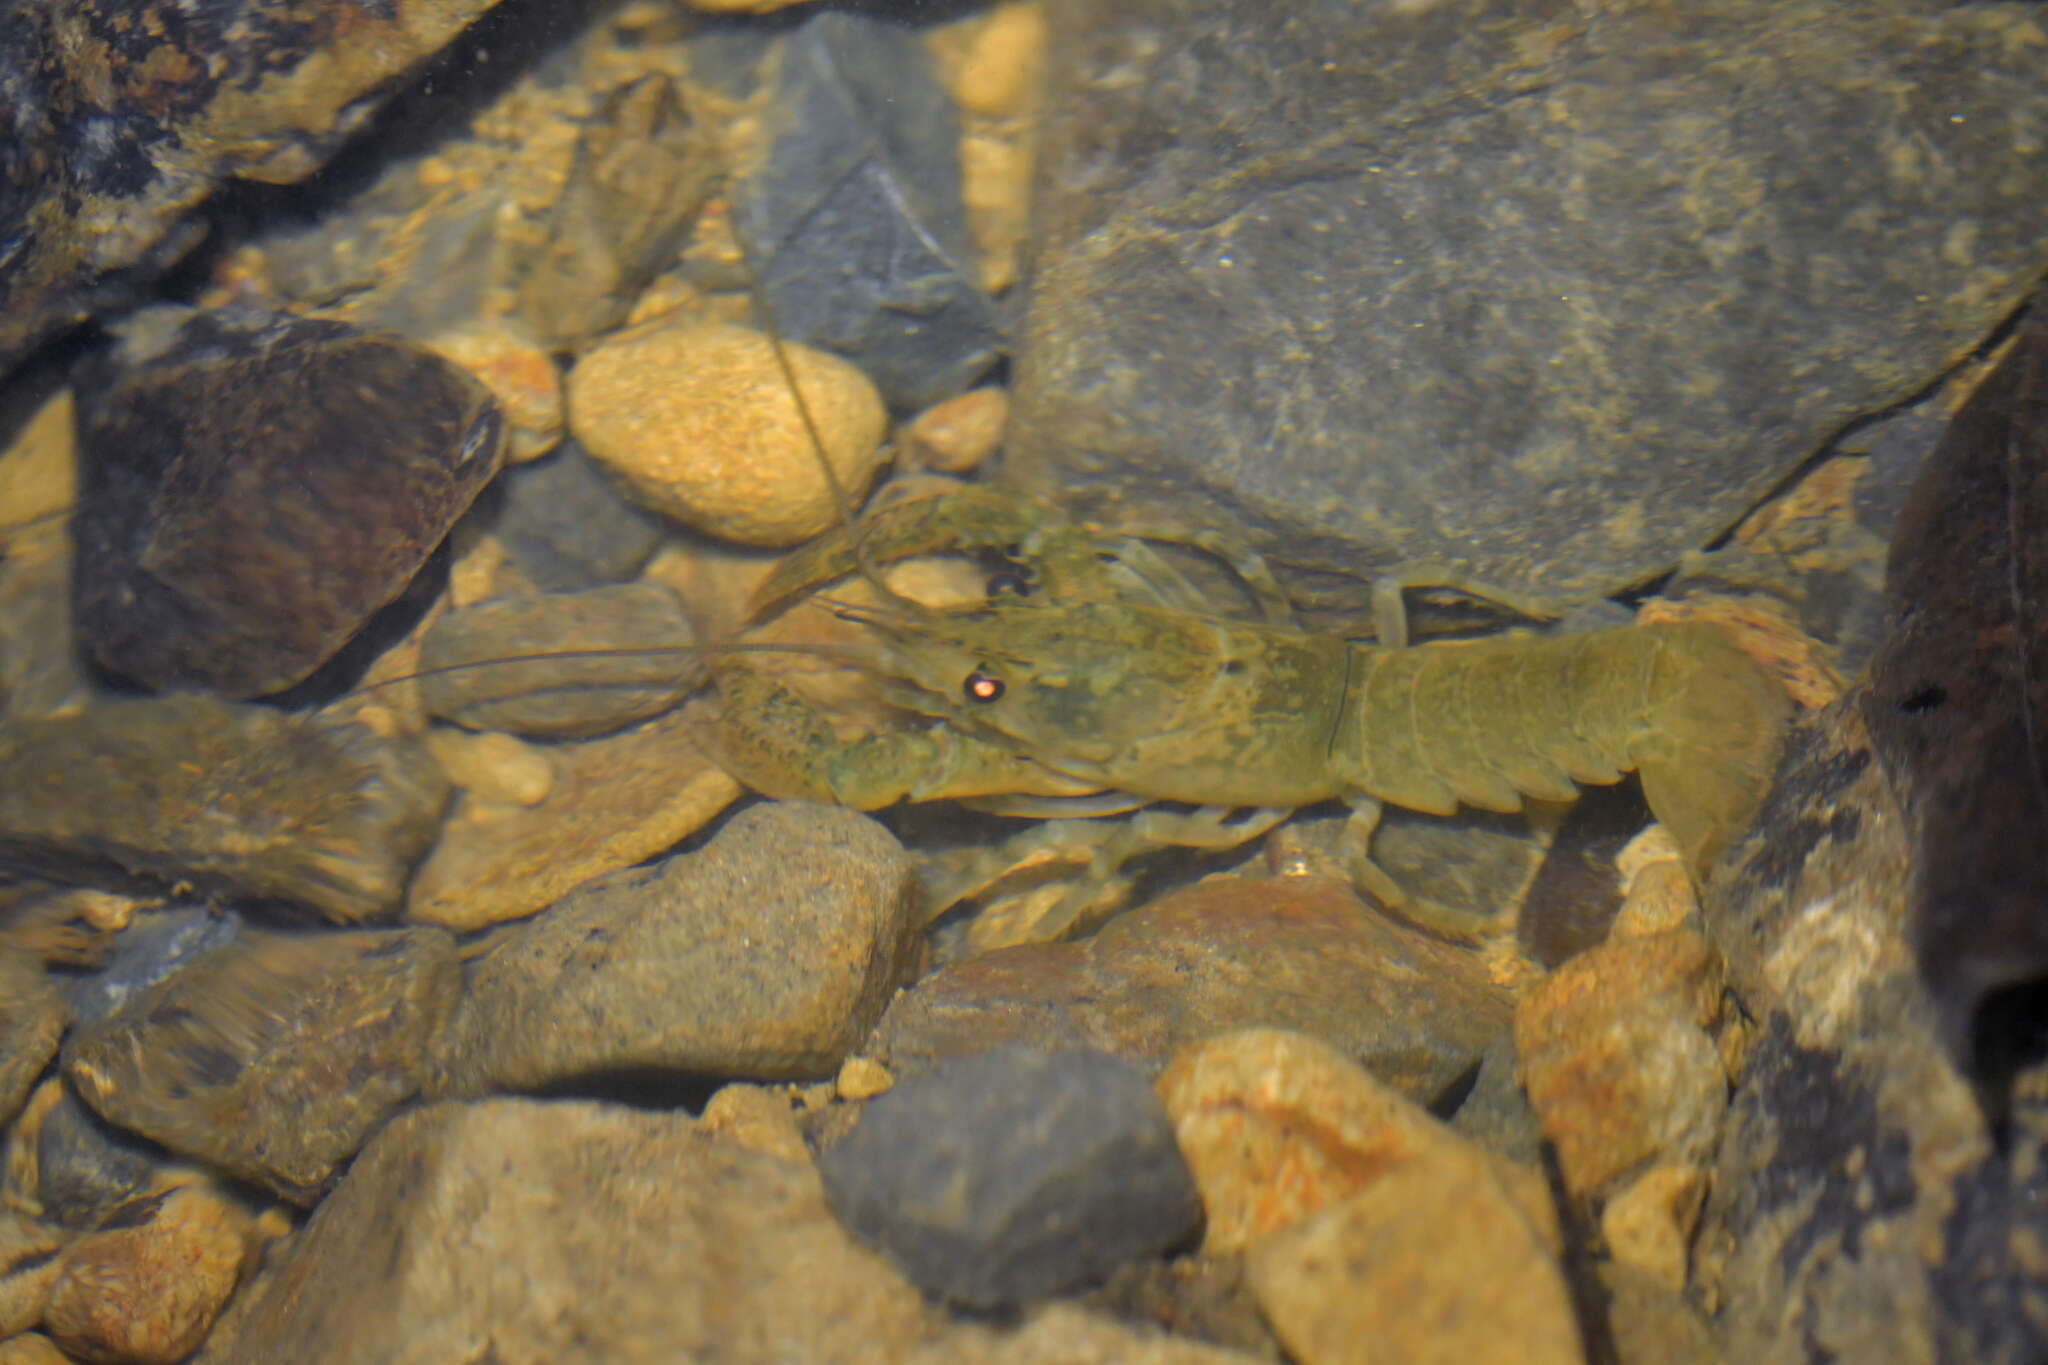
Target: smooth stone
480 671
767 954
275 1057
1295 953
566 525
1009 1176
144 1287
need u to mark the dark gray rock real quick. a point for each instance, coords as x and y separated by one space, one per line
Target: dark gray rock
275 1056
561 697
32 1019
1003 1178
253 487
85 1167
767 954
1496 1113
117 127
236 801
1864 1206
565 525
854 214
1546 293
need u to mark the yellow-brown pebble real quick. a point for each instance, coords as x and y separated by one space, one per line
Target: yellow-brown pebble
862 1078
31 1349
698 419
146 1286
758 1117
495 766
1649 1223
956 436
28 1270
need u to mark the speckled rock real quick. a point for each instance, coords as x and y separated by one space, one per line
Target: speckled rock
1432 1264
496 684
699 420
235 800
575 1233
1617 1058
275 1056
610 803
766 954
253 487
1277 1126
143 1287
1296 953
1009 1176
32 1019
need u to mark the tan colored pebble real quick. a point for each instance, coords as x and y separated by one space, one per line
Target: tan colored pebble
1653 844
1001 75
760 1118
496 767
38 471
521 377
473 578
863 1078
995 188
1614 1054
1430 1264
23 1166
1276 1126
958 435
28 1270
1649 1224
700 422
144 1289
31 1349
1660 898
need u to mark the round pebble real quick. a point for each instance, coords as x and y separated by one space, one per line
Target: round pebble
958 435
145 1288
699 421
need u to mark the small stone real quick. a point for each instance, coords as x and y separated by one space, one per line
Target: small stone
32 1018
1430 1264
275 1056
1277 1126
1496 1114
1616 1057
145 1284
1651 1325
958 435
758 1117
1300 953
1005 1177
565 525
38 470
254 487
615 802
767 954
236 800
700 421
1649 1223
1660 898
28 1270
1001 74
522 379
573 1233
624 658
493 766
862 1078
144 1287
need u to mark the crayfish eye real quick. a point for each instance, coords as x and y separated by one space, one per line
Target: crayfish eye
981 687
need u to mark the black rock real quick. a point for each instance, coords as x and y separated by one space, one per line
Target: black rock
855 216
254 487
1015 1174
546 667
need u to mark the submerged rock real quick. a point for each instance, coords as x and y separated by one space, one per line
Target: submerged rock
237 801
253 487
